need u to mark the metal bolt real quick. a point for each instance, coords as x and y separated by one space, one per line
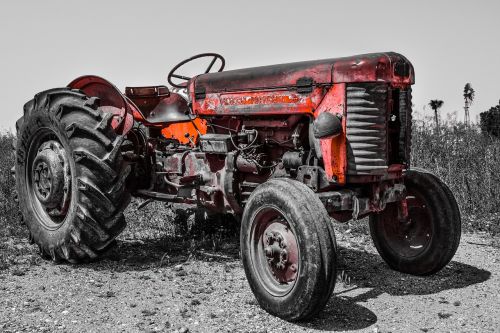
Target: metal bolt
269 237
283 256
269 251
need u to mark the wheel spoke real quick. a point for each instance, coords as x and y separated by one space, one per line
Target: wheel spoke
211 65
181 77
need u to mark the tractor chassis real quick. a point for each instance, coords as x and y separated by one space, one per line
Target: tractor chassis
351 201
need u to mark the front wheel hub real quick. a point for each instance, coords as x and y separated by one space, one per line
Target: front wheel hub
51 177
275 251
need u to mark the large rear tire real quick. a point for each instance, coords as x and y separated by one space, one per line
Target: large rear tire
427 242
70 175
288 249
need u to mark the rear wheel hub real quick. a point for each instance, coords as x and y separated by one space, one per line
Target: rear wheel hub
51 177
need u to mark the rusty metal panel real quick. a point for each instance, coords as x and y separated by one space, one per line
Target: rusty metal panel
386 66
374 67
266 77
110 100
333 150
272 102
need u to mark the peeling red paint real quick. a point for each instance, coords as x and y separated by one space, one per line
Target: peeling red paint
258 103
334 149
111 100
360 68
261 99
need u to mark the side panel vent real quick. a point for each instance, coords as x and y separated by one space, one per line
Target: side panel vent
366 129
405 120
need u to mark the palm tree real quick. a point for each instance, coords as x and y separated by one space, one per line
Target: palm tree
436 104
469 98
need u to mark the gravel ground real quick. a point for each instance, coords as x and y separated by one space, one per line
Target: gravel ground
151 285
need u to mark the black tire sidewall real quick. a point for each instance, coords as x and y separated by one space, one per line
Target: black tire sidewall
310 264
98 174
445 224
31 127
328 243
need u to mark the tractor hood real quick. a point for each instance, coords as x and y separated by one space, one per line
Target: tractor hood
374 67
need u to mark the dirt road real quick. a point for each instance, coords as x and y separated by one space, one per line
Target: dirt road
148 285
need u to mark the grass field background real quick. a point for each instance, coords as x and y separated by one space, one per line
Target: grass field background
464 158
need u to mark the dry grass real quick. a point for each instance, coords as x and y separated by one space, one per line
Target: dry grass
469 162
10 226
464 158
9 219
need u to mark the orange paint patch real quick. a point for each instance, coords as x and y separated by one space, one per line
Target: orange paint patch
185 132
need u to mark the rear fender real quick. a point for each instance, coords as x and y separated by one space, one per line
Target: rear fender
111 100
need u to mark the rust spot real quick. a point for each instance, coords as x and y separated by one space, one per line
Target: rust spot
261 99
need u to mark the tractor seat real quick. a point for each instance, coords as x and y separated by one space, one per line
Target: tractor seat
147 98
159 105
149 91
171 109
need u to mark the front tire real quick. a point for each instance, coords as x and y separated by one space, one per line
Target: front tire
70 175
427 242
288 249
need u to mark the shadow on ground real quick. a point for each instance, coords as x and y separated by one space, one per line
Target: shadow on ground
369 271
369 275
138 255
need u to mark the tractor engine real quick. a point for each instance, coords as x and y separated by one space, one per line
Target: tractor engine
230 161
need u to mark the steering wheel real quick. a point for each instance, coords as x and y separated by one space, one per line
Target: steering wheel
172 73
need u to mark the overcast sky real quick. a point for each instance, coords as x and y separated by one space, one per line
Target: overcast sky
46 44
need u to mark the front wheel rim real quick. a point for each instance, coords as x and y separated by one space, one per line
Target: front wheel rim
274 251
411 238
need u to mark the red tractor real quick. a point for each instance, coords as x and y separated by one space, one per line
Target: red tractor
284 148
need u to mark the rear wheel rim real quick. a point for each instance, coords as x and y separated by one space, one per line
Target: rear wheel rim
412 237
274 251
48 179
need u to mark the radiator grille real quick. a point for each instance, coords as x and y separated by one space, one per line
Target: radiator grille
366 129
405 129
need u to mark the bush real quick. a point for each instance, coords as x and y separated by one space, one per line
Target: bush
468 161
490 121
9 217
